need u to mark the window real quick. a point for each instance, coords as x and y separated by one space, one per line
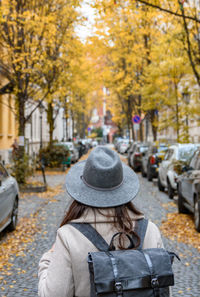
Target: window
193 161
143 149
169 154
185 153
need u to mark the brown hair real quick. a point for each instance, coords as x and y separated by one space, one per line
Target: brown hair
122 220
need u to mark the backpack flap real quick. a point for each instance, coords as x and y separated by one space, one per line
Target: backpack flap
130 270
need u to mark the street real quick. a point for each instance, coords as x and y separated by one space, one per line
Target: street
44 213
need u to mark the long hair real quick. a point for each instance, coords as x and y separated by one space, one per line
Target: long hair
121 218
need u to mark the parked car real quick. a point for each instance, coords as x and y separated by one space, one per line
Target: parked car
152 159
73 151
130 151
189 189
116 141
119 141
9 197
94 143
67 160
136 156
86 144
168 173
123 146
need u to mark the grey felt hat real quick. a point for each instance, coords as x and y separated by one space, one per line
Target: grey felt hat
102 180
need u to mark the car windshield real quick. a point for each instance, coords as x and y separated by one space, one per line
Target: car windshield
143 149
185 153
159 149
70 145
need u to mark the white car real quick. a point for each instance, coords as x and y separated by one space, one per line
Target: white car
73 151
9 197
167 173
94 143
123 146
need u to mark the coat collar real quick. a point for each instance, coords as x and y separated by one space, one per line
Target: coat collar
90 217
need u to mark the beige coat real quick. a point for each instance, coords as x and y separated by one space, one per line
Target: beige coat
63 271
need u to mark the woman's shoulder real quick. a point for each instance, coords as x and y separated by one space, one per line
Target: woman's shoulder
152 227
152 237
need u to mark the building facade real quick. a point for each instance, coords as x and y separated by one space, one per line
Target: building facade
8 125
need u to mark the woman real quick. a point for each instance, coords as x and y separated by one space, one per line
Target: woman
102 188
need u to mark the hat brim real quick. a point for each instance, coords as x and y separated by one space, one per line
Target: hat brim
79 191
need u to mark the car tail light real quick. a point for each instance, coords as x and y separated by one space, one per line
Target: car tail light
152 160
137 155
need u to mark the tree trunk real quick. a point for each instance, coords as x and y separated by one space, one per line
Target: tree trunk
154 128
141 132
139 111
50 120
177 114
19 158
133 132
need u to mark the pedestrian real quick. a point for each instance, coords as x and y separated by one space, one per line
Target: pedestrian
80 149
102 189
15 148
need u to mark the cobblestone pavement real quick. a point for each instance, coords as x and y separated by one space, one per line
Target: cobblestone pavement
23 280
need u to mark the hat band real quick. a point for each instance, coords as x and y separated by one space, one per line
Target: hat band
100 189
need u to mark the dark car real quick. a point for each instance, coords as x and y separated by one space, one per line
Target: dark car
139 150
130 151
189 189
152 159
9 196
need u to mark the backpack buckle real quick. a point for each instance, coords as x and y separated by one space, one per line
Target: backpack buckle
119 288
154 282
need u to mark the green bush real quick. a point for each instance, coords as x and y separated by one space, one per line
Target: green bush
53 156
21 168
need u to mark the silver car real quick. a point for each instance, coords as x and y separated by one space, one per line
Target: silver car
9 197
167 173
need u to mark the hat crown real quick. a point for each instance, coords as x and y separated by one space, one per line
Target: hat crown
103 169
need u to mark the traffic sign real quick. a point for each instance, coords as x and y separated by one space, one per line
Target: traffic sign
136 119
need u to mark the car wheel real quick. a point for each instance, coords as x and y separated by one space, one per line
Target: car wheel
14 216
134 167
181 206
170 190
149 175
142 171
160 186
197 213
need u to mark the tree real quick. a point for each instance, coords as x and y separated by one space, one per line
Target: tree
127 34
29 58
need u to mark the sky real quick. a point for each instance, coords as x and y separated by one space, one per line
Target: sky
88 12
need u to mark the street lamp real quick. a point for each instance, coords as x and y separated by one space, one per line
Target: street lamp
41 109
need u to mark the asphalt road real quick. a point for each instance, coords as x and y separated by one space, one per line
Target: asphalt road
22 280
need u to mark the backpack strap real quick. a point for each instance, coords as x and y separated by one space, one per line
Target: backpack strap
91 234
140 229
100 243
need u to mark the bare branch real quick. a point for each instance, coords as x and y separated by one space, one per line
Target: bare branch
169 11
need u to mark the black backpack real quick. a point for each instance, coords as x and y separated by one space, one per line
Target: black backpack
132 272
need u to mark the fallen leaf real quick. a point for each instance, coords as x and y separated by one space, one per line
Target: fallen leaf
180 227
